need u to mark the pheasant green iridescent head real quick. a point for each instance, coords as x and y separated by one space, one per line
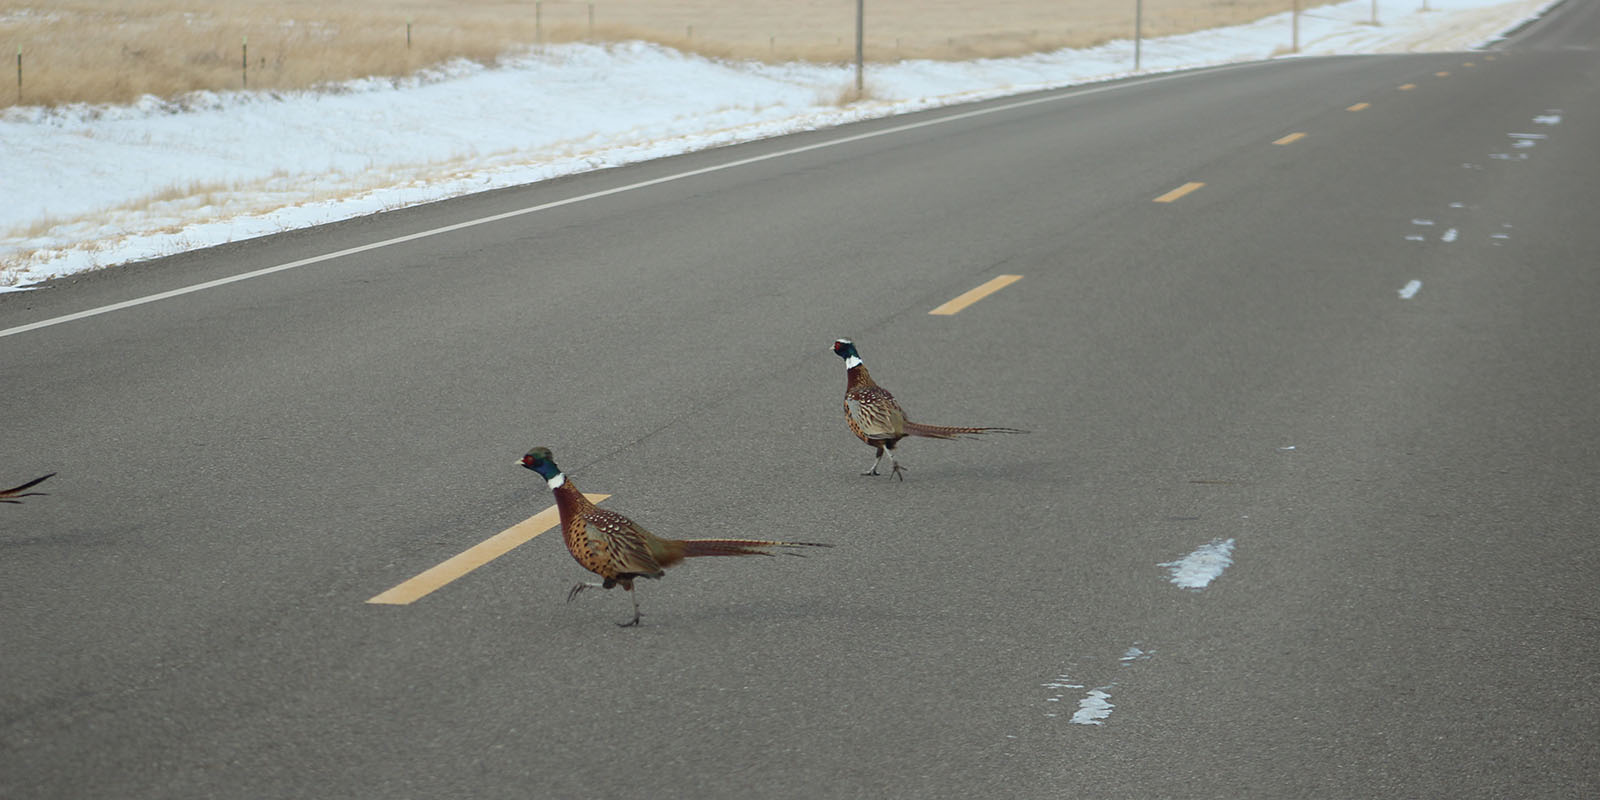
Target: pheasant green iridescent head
539 460
846 349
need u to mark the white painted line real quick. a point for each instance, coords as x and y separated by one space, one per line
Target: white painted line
678 176
1410 290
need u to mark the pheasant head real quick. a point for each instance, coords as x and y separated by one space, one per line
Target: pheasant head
846 349
540 460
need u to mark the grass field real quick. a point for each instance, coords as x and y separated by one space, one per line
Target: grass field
118 50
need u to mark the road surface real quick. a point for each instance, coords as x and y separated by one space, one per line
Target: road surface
1353 346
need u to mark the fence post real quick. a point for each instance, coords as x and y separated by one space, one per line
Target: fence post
1296 42
408 34
1138 31
861 16
244 60
19 74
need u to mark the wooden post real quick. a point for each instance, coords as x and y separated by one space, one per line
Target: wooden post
1296 43
244 60
19 74
408 34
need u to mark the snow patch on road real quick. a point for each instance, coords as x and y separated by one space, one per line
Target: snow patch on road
1198 569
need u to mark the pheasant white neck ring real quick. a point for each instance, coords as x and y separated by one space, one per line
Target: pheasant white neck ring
557 482
851 362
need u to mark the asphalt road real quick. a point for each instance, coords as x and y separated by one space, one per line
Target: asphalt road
1407 475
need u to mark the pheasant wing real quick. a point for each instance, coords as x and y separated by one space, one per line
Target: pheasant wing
876 413
621 543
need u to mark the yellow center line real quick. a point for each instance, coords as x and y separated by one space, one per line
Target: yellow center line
473 557
971 296
1359 107
1291 138
1406 87
1469 65
1179 192
1441 74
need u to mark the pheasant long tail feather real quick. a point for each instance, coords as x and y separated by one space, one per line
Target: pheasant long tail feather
694 548
17 491
951 432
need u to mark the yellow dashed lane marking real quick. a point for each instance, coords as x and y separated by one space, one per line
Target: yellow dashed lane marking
1359 107
1441 74
1179 192
1291 138
971 296
1406 87
475 556
1469 65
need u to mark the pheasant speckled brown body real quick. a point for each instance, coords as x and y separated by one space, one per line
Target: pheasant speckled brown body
877 419
618 549
14 494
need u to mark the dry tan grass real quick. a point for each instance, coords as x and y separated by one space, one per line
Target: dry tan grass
118 50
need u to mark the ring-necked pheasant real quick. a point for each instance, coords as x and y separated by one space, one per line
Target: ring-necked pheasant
618 549
11 495
876 418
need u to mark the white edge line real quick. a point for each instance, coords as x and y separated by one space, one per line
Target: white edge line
910 126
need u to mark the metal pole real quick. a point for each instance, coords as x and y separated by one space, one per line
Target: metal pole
1138 31
861 16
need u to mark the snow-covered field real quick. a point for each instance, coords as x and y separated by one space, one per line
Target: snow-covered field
91 186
